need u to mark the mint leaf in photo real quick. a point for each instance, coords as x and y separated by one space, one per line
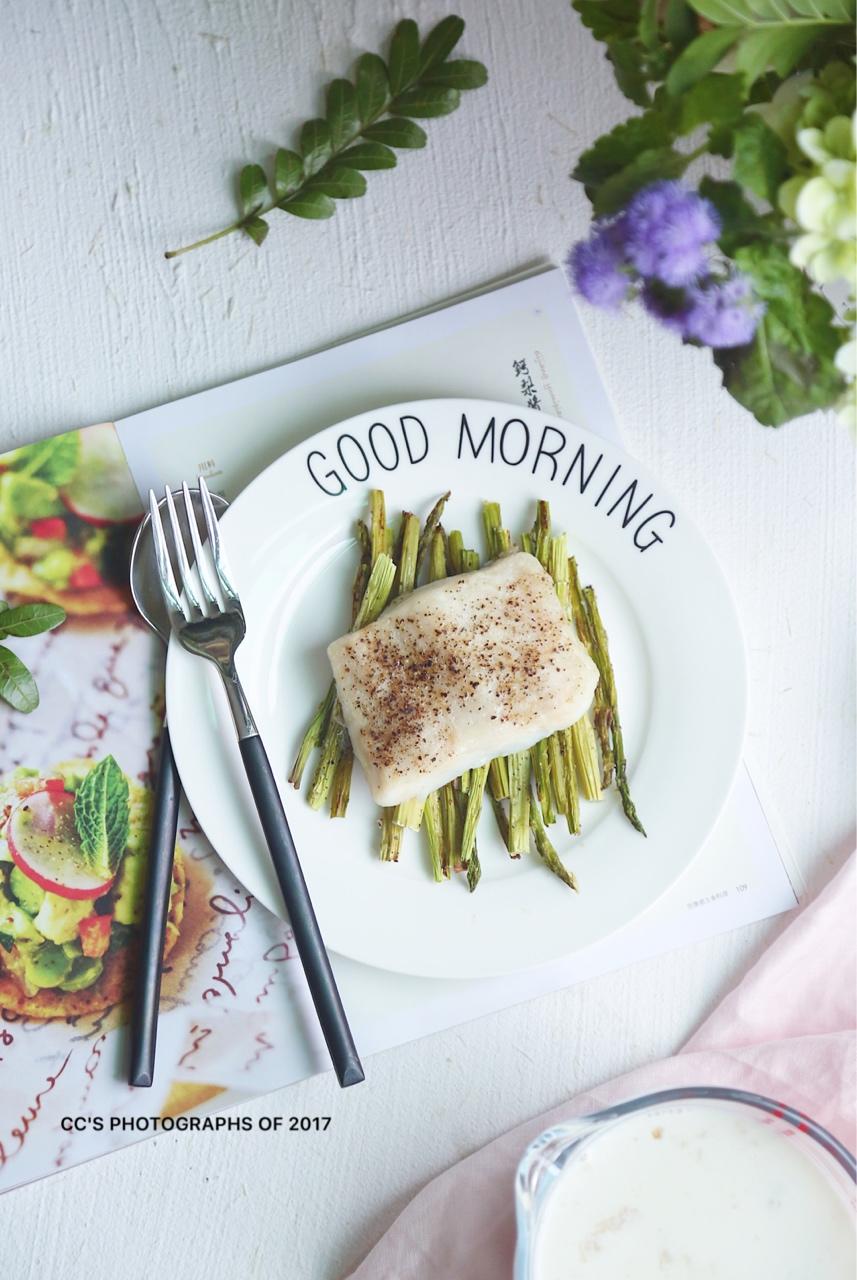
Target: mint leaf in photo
53 461
101 816
27 497
17 686
30 619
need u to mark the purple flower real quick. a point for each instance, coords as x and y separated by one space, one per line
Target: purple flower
722 313
667 230
666 305
597 265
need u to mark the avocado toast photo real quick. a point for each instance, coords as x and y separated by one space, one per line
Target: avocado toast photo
73 848
68 510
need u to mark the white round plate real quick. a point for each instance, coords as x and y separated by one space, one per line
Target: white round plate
674 637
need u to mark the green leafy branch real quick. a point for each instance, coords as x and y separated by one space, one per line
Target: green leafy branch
764 34
365 123
101 815
649 42
17 686
665 62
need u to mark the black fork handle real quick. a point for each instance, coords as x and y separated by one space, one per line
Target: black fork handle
311 948
159 875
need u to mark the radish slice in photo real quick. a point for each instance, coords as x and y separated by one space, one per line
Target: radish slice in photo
101 492
44 843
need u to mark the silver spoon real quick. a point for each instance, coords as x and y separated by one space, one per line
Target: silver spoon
145 589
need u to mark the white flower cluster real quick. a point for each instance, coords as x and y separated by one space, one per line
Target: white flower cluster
823 201
820 129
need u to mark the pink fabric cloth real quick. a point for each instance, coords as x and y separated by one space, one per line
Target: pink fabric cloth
787 1030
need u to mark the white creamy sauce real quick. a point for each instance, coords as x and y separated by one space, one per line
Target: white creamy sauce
694 1193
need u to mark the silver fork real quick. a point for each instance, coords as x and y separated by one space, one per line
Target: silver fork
206 615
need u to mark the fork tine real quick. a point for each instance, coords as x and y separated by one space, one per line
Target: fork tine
169 590
181 555
214 542
199 557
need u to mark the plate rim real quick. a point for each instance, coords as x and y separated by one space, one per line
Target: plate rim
643 472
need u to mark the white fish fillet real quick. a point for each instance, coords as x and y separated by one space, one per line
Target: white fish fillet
457 672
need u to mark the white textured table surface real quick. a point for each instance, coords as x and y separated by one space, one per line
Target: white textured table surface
122 126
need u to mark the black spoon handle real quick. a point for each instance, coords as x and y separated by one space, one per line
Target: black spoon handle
159 875
311 948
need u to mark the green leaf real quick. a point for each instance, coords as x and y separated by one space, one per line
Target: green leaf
339 182
310 204
715 99
53 461
768 34
372 86
648 25
609 19
336 150
760 161
30 619
28 497
701 56
368 155
615 150
740 223
396 132
680 24
777 48
256 228
426 101
252 187
440 42
101 815
648 166
624 57
404 58
316 146
788 369
17 686
463 73
775 13
288 173
341 112
61 458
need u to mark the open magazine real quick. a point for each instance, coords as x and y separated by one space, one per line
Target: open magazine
234 1017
